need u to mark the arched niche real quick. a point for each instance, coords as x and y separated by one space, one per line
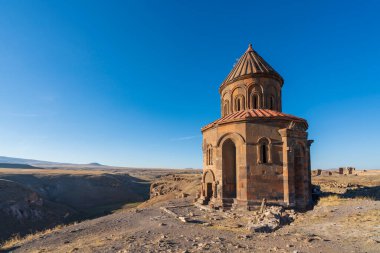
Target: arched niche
255 96
209 185
264 151
239 103
226 103
238 98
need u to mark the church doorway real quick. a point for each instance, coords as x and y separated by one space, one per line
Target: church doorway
229 169
209 181
208 191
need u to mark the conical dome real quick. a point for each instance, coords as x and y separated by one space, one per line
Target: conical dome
251 64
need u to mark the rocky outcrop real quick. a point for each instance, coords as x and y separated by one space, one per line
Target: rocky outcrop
182 185
31 202
23 210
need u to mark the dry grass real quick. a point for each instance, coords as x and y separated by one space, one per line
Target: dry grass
336 200
17 239
128 206
332 200
370 217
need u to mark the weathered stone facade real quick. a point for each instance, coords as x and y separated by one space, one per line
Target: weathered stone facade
255 151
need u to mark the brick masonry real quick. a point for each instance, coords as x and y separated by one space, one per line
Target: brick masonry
255 151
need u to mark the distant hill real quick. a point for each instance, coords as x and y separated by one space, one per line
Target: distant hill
8 162
96 164
17 166
5 159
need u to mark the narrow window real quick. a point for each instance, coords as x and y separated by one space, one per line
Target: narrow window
238 104
255 101
210 156
264 152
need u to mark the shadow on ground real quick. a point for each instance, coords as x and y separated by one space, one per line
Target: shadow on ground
363 192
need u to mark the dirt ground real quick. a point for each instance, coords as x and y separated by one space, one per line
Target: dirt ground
345 219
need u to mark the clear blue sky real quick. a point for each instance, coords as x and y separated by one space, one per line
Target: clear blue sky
132 82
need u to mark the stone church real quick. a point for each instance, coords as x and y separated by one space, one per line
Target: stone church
255 151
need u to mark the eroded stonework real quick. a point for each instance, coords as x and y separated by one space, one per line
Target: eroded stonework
254 151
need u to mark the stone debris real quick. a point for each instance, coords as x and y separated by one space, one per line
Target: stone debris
166 210
265 220
262 207
183 219
271 219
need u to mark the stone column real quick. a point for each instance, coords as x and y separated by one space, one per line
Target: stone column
214 190
288 168
270 151
309 142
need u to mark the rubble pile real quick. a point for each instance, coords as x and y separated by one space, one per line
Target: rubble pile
271 219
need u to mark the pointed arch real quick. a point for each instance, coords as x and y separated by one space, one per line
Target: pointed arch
208 172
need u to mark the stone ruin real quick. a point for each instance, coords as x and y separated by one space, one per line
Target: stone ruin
326 173
341 171
346 170
320 172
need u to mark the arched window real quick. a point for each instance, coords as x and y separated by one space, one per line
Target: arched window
256 95
239 104
271 103
264 151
